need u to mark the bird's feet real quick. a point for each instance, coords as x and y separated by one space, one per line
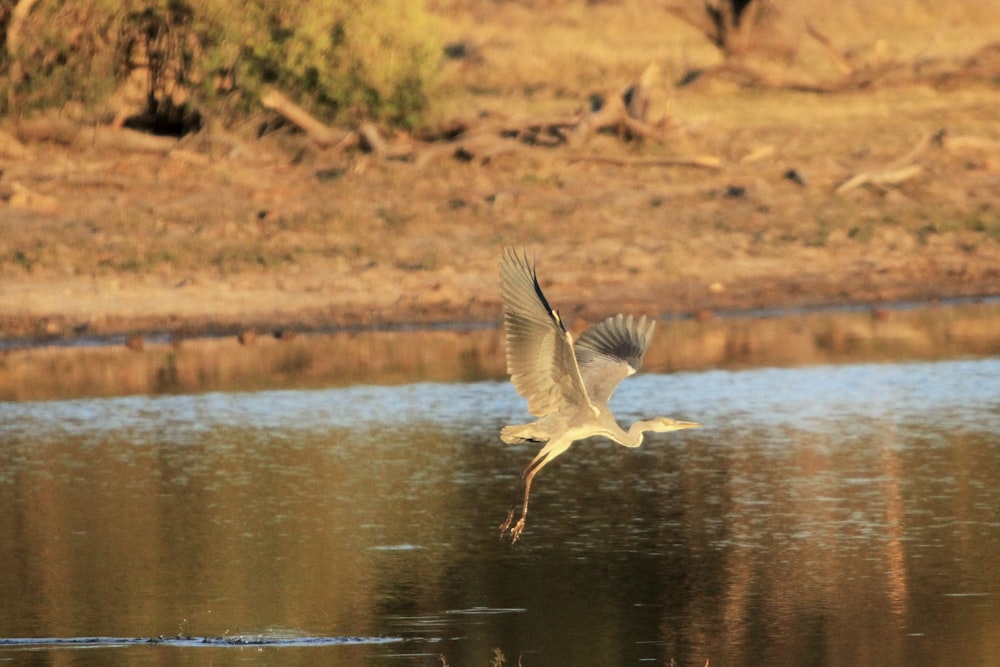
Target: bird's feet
505 526
515 532
515 529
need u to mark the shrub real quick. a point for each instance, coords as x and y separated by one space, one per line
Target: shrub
344 59
348 60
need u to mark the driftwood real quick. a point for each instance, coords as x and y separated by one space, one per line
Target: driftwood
962 143
124 139
492 139
926 141
897 171
626 113
621 113
478 146
47 128
71 133
703 162
762 153
751 77
613 116
880 177
322 134
487 136
372 139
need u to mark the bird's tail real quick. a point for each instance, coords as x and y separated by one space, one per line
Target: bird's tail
516 434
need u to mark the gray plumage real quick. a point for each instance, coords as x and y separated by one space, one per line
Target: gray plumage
567 386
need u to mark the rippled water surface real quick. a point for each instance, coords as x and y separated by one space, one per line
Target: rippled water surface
841 515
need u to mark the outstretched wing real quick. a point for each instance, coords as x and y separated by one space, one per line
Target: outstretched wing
540 358
610 351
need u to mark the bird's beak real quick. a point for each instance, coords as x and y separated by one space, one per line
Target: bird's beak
678 425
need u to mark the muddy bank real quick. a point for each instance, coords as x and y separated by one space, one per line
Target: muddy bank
273 312
83 272
97 241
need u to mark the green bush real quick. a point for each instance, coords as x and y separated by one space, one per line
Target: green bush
350 59
344 59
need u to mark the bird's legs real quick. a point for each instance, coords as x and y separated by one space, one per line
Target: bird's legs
549 452
526 477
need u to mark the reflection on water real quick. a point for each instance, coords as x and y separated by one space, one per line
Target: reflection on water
463 355
828 515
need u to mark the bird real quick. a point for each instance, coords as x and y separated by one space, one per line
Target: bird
567 385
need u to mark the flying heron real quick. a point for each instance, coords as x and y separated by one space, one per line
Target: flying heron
567 386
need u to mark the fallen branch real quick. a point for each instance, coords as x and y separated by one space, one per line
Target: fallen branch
47 127
761 153
921 146
610 114
376 144
624 114
322 134
496 124
700 162
70 133
124 139
970 143
897 171
856 80
478 147
885 177
482 138
749 77
486 136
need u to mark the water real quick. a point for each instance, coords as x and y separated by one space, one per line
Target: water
834 515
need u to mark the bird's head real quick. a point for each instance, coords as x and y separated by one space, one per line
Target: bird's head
666 424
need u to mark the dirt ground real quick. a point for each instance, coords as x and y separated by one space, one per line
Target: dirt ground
224 232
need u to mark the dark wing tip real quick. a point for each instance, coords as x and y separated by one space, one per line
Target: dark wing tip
618 337
512 256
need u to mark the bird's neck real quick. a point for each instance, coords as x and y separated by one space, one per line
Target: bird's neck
633 437
630 438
